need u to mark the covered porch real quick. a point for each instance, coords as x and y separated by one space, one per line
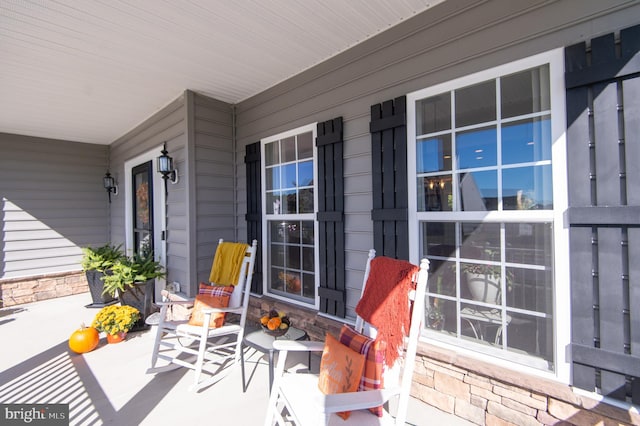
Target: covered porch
109 385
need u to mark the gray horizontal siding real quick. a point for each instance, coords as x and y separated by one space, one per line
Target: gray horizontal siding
452 39
52 204
214 171
167 125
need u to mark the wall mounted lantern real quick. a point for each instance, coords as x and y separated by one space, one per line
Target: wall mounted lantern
165 166
109 184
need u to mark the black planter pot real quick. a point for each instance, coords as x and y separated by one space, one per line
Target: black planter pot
140 296
95 288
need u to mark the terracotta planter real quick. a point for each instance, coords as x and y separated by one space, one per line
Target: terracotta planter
116 338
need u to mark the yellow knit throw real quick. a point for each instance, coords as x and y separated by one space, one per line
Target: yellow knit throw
227 263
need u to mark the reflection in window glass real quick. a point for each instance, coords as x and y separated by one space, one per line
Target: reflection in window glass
434 193
479 191
477 148
527 188
271 153
480 241
305 145
526 141
525 92
476 104
433 114
434 154
529 243
288 149
305 173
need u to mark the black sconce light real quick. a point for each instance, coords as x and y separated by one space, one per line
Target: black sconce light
109 184
165 166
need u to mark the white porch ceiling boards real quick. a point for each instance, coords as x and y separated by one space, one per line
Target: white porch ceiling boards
91 70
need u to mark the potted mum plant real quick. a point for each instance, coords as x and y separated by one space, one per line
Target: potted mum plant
133 279
484 280
116 321
96 262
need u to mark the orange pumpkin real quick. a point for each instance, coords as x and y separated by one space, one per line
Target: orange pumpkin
85 339
274 323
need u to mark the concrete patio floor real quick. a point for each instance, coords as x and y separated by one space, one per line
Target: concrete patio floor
110 386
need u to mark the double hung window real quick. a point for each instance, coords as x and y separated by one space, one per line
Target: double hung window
483 206
289 221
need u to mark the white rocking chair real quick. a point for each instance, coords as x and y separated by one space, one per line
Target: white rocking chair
297 399
217 348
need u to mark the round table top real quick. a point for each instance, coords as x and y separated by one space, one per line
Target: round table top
258 339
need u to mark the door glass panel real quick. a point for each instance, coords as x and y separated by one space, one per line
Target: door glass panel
142 209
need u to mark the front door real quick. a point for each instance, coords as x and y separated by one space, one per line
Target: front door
142 180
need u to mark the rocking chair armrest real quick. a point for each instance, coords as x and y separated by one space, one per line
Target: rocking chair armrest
175 302
221 310
348 401
298 346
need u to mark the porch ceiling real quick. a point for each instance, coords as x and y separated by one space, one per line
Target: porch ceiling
91 70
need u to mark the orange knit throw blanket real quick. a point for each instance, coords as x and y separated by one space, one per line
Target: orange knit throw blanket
385 303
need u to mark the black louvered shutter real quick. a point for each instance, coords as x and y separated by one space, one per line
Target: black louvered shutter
603 124
389 167
253 165
330 186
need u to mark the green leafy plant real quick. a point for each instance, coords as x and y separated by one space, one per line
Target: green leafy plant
130 270
101 258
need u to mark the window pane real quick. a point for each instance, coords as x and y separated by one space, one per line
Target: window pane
442 278
527 334
529 243
305 173
435 193
527 188
291 231
479 191
288 149
308 286
433 154
433 114
525 92
305 145
274 203
441 315
277 279
290 202
529 289
306 201
289 176
439 239
277 255
293 257
526 141
482 324
476 104
477 148
308 261
276 232
271 154
307 232
272 176
480 241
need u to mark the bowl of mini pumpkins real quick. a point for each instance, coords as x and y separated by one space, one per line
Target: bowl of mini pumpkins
275 323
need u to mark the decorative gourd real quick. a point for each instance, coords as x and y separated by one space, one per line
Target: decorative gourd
85 339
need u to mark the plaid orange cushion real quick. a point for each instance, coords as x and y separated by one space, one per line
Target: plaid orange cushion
374 351
215 290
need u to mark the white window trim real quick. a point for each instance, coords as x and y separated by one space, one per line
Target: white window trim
306 216
562 299
159 209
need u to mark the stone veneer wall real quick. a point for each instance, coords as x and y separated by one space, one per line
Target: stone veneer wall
481 393
17 291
